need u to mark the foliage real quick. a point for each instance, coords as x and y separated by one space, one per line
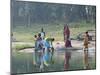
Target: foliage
26 13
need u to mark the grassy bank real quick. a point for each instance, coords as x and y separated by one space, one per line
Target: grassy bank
26 34
22 45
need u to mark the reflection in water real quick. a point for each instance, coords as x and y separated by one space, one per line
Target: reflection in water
85 60
63 60
66 60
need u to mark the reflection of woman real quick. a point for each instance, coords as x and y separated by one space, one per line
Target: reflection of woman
86 64
66 61
67 36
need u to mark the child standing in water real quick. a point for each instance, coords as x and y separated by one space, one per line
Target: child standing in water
42 33
86 42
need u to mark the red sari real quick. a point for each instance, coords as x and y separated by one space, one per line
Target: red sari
67 36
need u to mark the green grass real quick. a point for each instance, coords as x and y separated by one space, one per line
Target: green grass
19 47
76 31
26 34
22 45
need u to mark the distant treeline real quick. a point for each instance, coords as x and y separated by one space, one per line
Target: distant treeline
27 13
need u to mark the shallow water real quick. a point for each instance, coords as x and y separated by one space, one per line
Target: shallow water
22 62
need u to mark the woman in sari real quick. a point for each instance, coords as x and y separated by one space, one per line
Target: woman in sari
67 36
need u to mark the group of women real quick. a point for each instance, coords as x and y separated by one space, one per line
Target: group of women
44 50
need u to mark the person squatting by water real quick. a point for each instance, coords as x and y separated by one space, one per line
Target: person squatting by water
86 42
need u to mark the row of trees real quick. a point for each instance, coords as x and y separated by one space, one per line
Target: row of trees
27 13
